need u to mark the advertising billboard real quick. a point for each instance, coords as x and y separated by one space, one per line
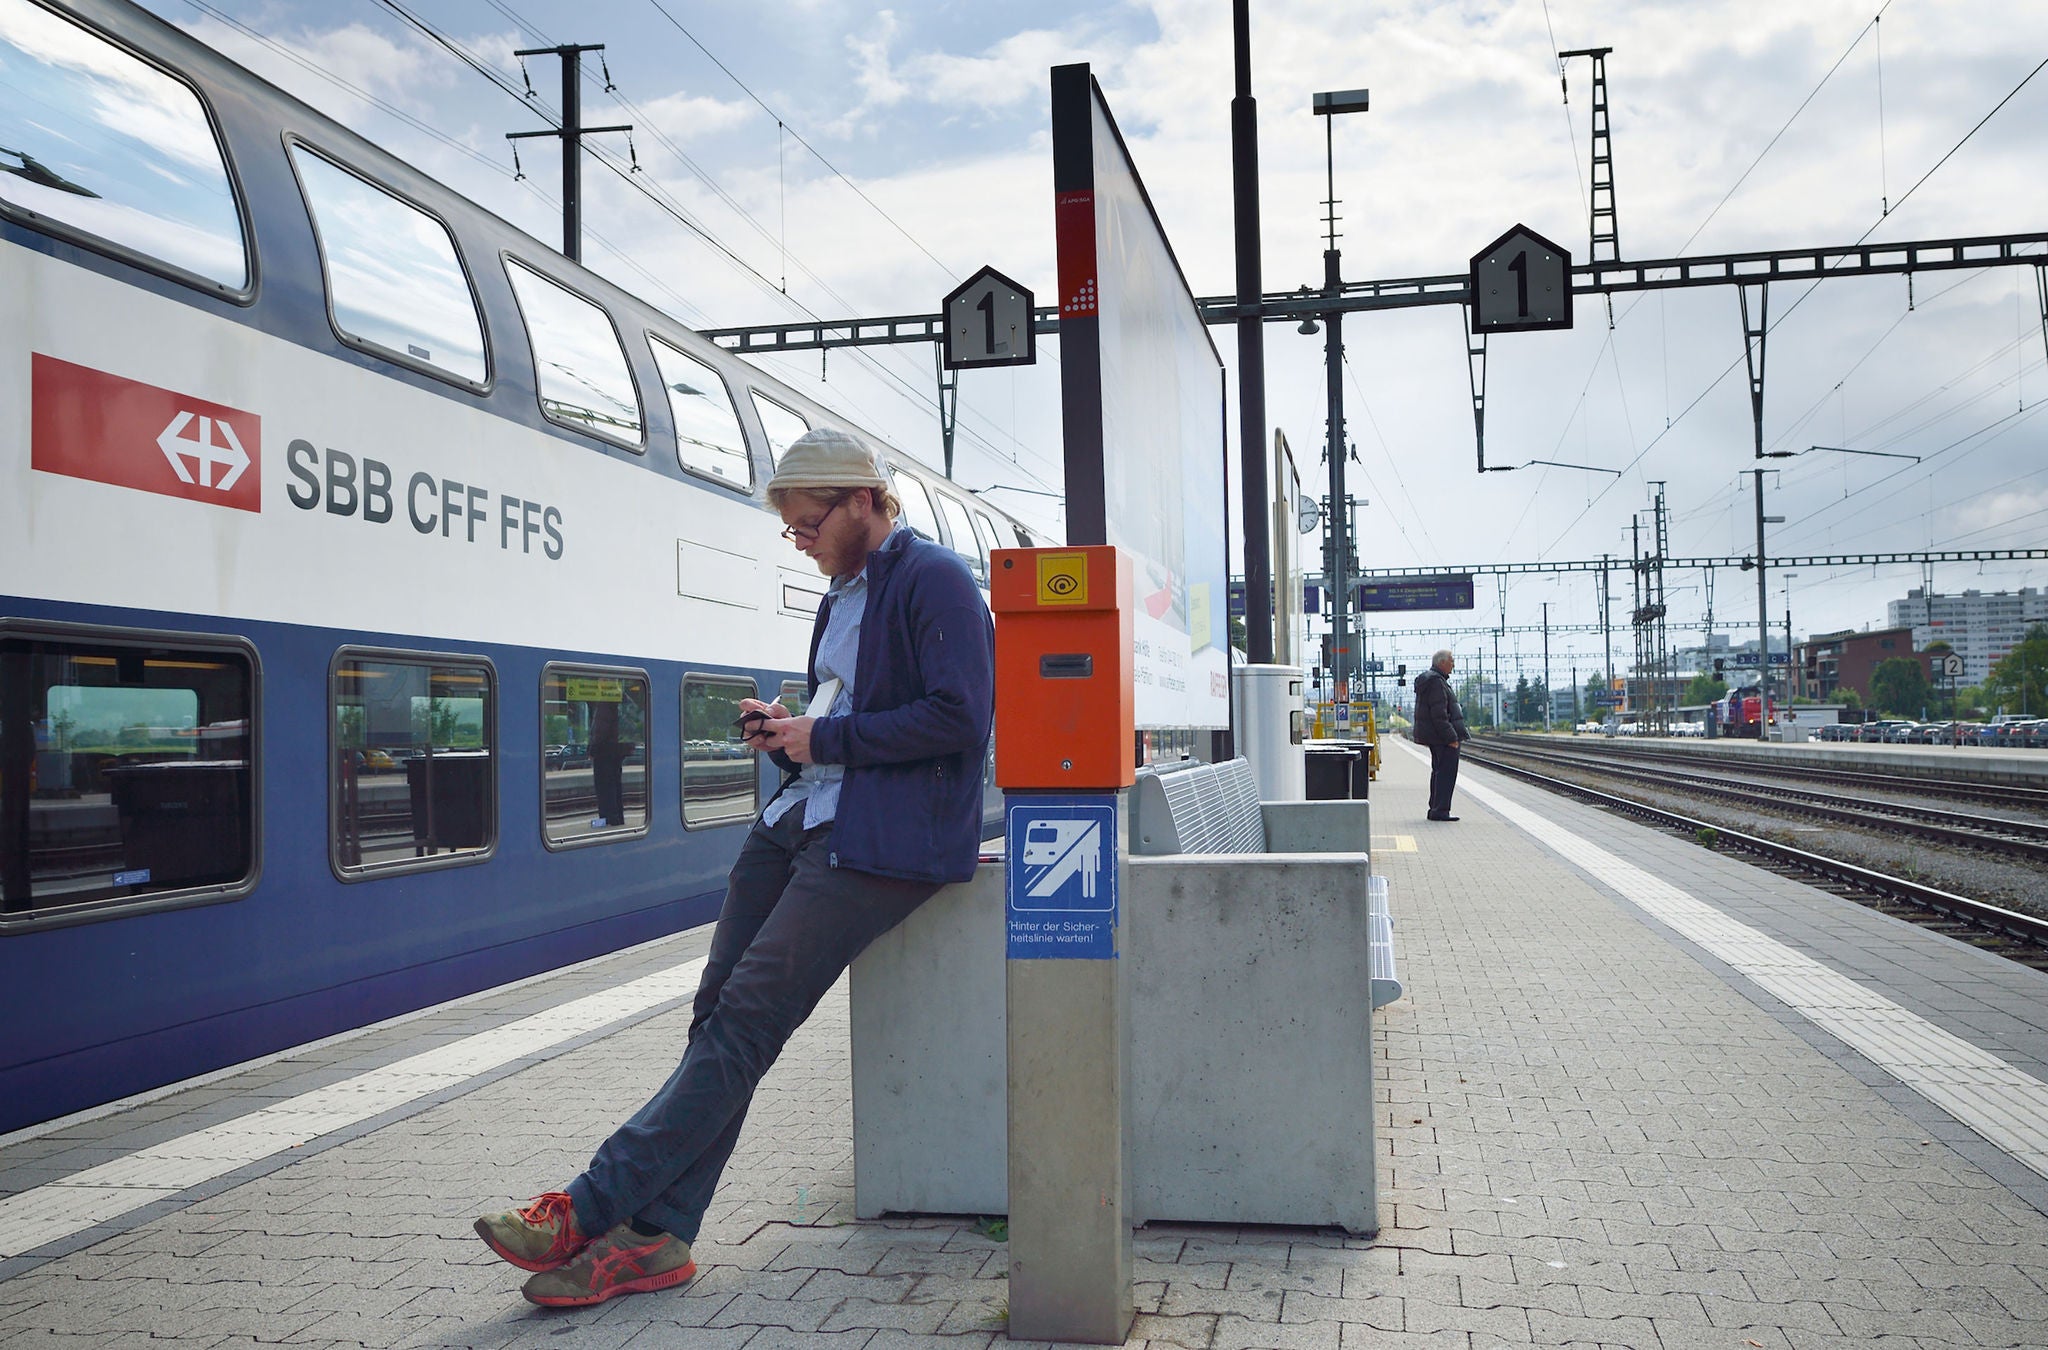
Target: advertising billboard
1142 411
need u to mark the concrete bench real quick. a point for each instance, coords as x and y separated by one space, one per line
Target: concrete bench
1216 809
1249 1053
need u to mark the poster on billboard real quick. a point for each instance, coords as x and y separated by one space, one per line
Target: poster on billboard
1143 413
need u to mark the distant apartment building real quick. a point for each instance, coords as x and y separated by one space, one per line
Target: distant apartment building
1829 662
1983 626
1695 660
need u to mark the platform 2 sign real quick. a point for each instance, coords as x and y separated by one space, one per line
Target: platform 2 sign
1416 593
1060 888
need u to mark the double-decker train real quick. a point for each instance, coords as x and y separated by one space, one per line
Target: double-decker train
377 587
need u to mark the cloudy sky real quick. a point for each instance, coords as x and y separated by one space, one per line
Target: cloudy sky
865 159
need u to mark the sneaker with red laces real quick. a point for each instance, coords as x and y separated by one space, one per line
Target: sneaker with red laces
539 1236
620 1262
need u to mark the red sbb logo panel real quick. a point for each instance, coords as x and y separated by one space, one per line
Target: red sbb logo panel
89 424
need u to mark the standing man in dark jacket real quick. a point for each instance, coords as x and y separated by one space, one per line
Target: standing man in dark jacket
880 806
1440 725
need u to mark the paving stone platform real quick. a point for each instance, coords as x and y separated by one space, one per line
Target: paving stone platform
1594 1134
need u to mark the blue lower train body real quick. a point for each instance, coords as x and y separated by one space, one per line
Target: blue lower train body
100 1010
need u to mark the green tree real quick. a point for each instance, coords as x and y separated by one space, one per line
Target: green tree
1899 685
2019 682
1478 711
1849 697
1705 688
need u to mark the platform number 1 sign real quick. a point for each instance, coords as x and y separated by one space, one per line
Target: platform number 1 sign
1521 282
990 321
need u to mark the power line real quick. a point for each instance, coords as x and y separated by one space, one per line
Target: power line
662 199
1802 298
782 122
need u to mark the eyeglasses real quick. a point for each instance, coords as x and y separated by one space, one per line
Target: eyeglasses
804 534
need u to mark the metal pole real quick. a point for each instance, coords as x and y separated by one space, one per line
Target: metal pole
1607 620
1791 671
1546 665
572 154
1340 501
1251 352
1763 615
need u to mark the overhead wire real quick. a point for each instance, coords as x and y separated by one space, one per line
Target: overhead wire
943 266
1806 294
662 199
777 240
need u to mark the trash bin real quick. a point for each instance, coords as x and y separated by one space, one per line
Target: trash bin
450 800
1330 772
183 822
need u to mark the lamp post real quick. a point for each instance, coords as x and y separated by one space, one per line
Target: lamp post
1791 673
1331 105
1763 607
1251 350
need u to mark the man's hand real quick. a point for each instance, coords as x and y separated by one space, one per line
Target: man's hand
753 715
790 735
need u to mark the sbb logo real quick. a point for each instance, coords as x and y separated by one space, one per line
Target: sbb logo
89 424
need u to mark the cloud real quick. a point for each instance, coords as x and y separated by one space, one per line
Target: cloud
695 115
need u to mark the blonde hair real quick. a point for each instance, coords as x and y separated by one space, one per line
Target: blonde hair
883 500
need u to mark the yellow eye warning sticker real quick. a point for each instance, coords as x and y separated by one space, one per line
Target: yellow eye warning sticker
1062 578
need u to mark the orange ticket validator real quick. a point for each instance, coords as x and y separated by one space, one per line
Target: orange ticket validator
1065 713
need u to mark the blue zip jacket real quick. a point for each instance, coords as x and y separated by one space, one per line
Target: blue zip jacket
924 700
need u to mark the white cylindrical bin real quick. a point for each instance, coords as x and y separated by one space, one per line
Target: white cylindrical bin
1268 725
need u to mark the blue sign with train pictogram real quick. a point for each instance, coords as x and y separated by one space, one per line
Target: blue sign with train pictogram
1061 884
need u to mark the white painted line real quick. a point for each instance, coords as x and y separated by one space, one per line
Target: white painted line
59 1209
2008 1107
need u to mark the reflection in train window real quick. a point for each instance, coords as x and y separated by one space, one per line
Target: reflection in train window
585 382
779 424
94 139
393 280
795 696
917 507
964 542
986 529
708 439
124 770
720 782
593 770
412 761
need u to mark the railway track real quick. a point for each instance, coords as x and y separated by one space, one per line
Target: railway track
2008 933
1953 789
1987 834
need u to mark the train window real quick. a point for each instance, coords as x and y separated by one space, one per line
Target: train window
126 772
585 382
964 542
593 774
394 282
917 506
95 140
413 757
986 530
795 696
721 784
708 438
779 424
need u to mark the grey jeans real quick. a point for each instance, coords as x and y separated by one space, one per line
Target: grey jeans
790 927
